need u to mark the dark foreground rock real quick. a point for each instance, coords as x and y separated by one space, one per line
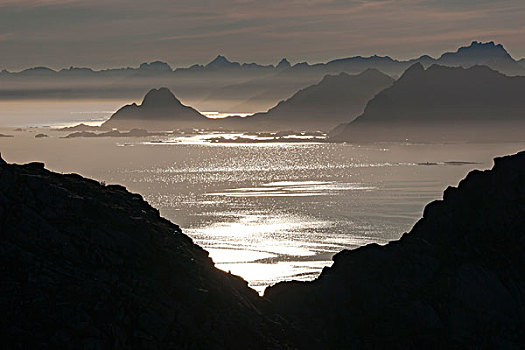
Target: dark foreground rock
456 280
89 266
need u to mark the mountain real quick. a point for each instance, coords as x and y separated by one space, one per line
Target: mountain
227 86
159 109
221 62
488 54
358 64
85 265
337 98
443 104
157 66
89 265
477 53
283 65
522 62
456 280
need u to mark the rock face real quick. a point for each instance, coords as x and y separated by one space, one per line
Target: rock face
456 280
336 99
443 103
160 109
84 265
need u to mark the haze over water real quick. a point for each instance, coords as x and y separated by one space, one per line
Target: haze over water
269 211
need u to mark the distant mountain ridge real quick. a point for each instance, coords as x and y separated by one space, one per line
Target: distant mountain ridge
477 53
227 86
447 103
335 99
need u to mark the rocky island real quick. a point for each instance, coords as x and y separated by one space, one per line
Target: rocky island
159 110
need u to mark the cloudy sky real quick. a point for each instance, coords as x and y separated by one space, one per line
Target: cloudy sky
111 33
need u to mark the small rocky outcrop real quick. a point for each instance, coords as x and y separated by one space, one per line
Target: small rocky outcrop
115 133
456 280
89 266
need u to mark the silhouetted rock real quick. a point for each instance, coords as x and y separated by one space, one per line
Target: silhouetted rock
115 133
487 54
85 265
443 104
159 109
40 136
456 280
80 127
4 135
321 106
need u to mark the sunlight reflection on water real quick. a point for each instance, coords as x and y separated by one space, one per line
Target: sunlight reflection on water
269 211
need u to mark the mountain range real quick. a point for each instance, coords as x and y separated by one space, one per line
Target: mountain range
434 104
477 53
223 85
322 106
335 99
443 103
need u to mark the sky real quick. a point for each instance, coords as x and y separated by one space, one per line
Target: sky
116 33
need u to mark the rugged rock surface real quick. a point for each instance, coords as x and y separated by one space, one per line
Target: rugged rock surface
85 265
89 266
456 280
443 104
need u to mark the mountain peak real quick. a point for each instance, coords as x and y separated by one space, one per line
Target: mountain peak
413 70
157 66
221 62
160 98
477 50
283 64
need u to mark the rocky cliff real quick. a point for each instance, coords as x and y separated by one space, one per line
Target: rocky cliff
90 266
85 265
456 280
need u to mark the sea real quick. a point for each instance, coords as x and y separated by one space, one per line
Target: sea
267 211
